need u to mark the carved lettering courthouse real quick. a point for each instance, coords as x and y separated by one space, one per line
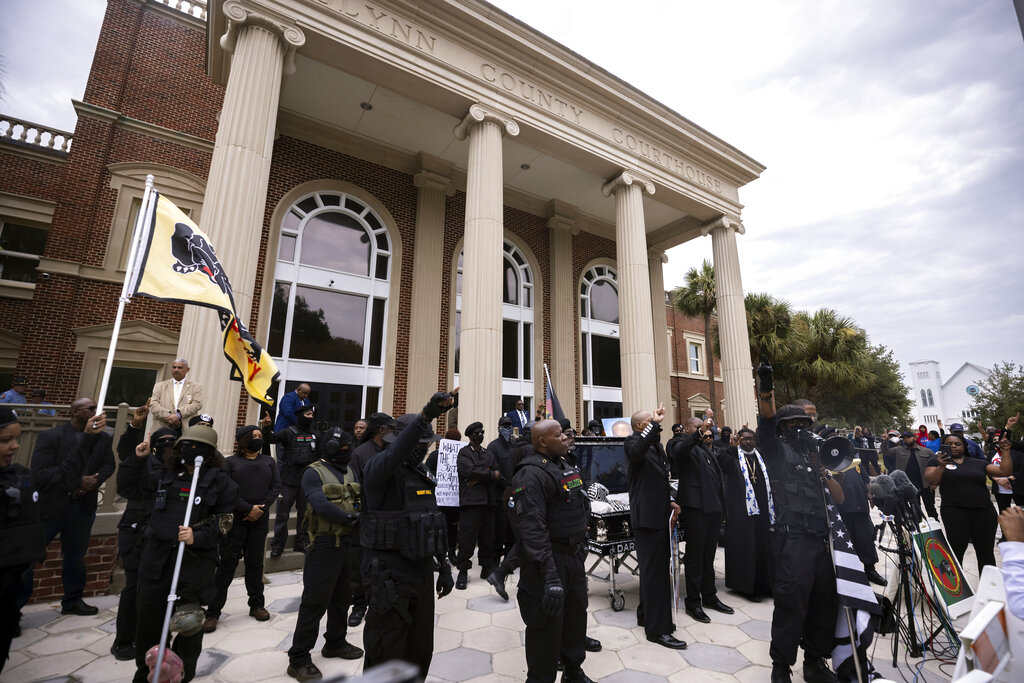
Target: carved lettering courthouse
406 196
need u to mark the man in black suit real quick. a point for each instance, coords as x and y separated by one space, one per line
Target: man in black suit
69 464
700 496
650 506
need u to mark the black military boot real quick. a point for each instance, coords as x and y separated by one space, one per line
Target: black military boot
817 671
460 583
780 674
497 579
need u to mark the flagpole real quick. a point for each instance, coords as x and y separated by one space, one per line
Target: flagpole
125 297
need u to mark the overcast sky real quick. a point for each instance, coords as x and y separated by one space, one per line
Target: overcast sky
893 133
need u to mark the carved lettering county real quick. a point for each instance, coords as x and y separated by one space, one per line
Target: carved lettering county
666 160
384 22
517 85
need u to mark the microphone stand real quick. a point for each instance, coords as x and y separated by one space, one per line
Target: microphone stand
172 597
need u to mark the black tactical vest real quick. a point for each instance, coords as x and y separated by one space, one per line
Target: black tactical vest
21 530
303 448
799 493
173 491
568 505
417 531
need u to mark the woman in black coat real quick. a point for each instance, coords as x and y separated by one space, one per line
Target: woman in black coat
212 516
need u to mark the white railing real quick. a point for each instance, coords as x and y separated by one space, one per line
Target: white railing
34 134
194 8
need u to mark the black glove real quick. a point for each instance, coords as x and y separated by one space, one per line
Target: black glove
445 582
434 409
554 600
766 376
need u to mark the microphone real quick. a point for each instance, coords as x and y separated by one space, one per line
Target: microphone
883 487
908 491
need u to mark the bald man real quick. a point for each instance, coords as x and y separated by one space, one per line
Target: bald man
548 510
650 506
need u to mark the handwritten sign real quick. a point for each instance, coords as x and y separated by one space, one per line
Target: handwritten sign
448 472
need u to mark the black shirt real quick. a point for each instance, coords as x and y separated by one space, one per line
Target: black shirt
257 479
964 486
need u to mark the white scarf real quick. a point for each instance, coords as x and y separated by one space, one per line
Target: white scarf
752 507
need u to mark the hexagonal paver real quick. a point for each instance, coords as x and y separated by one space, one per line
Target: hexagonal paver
612 638
254 667
510 620
37 618
65 642
51 666
758 610
460 664
598 665
717 634
714 658
756 651
510 663
650 658
210 661
694 674
73 622
757 629
609 617
249 640
449 603
491 639
446 639
104 670
464 621
633 677
284 605
490 604
754 674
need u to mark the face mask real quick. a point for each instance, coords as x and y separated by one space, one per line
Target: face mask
191 450
476 437
303 421
256 445
340 457
162 445
893 439
505 433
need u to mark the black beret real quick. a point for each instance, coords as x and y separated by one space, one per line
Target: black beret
243 430
474 426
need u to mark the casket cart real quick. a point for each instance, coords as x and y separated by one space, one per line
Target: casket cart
602 461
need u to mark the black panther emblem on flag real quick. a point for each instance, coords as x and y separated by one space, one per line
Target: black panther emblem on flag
193 253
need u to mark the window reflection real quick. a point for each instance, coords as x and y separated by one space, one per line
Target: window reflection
328 326
604 302
606 364
336 241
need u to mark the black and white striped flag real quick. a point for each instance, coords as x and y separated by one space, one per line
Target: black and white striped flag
854 592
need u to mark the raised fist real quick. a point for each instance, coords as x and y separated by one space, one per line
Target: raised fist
766 376
439 404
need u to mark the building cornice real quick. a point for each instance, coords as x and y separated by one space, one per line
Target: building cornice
92 111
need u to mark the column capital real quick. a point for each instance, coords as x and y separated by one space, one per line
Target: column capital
625 179
478 113
722 222
429 180
658 254
562 216
240 14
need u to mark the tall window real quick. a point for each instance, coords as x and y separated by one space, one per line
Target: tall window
695 354
328 320
924 399
517 327
20 249
599 327
931 401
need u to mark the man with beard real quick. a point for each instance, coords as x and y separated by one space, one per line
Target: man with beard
403 533
700 497
131 475
750 508
298 449
478 474
806 602
650 507
334 500
549 509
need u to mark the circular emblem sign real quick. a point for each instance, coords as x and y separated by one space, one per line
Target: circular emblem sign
973 389
943 568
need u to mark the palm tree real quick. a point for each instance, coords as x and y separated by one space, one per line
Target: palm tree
828 349
769 327
696 298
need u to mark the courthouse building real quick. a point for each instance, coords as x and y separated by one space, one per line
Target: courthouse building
405 195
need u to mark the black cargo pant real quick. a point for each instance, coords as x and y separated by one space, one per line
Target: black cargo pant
400 619
325 588
550 638
476 528
699 561
129 547
805 598
290 495
245 539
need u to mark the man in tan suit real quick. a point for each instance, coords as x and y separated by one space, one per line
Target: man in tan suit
177 399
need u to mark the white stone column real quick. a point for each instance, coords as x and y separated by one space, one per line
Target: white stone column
561 228
636 323
236 193
662 358
433 185
480 364
737 374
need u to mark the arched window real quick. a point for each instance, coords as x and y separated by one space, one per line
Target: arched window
931 401
327 325
517 339
599 344
924 398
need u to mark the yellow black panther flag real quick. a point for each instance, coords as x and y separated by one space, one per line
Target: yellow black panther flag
178 263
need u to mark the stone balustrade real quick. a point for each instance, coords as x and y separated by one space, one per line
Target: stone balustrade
34 134
195 8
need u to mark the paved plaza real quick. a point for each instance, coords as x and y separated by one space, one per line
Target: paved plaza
478 638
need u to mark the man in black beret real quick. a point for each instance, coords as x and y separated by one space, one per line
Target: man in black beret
478 493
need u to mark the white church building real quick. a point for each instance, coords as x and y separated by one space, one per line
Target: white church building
950 401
